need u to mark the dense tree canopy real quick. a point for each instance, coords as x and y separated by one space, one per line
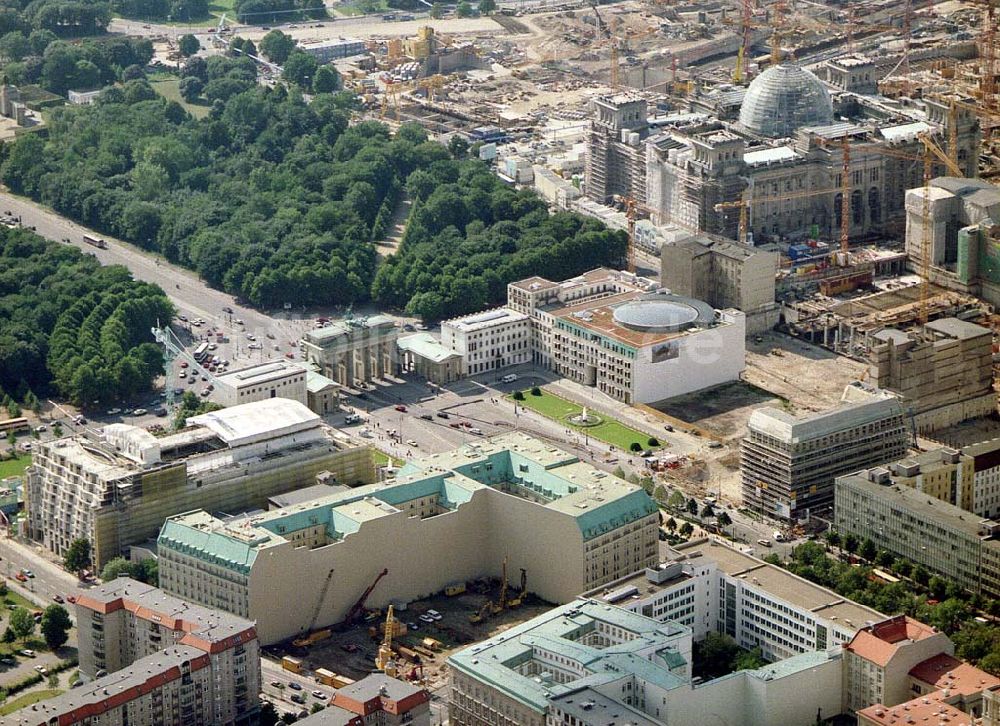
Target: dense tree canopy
68 324
59 66
278 201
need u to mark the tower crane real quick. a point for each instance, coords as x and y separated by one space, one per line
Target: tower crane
631 208
173 349
931 150
385 659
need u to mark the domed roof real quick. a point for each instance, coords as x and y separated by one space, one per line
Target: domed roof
784 98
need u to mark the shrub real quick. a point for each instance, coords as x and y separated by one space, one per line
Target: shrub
653 441
635 446
536 391
518 396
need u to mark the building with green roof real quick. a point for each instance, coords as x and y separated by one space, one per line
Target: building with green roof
445 517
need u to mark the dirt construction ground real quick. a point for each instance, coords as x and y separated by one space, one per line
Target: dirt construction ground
352 653
782 372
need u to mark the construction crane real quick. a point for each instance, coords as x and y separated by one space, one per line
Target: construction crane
358 606
601 25
931 151
173 349
431 84
502 600
385 659
522 592
745 205
631 208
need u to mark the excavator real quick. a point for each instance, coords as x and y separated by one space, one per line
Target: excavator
515 602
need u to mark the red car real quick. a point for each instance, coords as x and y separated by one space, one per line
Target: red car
20 577
401 408
71 598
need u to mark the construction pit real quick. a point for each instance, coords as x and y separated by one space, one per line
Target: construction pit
351 653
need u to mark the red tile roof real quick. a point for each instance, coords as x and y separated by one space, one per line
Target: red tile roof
945 672
919 711
878 643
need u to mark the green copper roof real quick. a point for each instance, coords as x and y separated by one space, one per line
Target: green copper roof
209 545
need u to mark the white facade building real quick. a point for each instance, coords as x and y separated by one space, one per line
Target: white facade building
710 586
490 340
279 379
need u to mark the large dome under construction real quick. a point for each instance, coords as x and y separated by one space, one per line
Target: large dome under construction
784 98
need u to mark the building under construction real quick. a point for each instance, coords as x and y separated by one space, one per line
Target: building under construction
770 159
942 372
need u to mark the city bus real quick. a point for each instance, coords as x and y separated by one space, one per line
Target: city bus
13 424
201 352
95 241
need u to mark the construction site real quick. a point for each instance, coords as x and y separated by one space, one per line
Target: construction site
411 642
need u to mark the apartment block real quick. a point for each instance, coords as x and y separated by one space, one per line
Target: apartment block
115 488
985 477
445 517
354 351
789 464
879 658
490 340
943 373
161 661
709 586
588 663
725 275
908 523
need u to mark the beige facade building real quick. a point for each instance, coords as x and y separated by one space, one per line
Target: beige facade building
725 275
908 523
878 660
117 488
427 357
445 517
943 373
158 661
354 351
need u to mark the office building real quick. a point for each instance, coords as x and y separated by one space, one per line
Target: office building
334 49
375 699
115 488
927 531
724 275
490 340
789 464
161 661
445 517
943 373
985 478
353 351
710 586
280 379
591 664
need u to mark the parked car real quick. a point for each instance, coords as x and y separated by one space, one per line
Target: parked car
58 599
294 686
426 417
320 695
401 408
28 573
140 412
27 653
442 414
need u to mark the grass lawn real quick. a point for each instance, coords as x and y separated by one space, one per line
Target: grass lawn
383 459
14 467
609 430
169 88
28 699
360 7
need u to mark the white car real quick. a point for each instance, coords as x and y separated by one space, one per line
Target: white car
434 614
427 618
140 412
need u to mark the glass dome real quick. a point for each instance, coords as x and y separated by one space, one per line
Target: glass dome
785 98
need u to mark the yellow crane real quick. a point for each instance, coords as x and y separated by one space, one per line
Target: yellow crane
515 602
385 659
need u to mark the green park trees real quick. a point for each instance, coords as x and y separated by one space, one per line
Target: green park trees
55 626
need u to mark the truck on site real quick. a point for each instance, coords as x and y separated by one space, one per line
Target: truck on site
454 589
314 637
431 644
293 665
95 241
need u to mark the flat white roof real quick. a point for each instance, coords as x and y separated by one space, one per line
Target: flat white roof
261 373
258 421
488 319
